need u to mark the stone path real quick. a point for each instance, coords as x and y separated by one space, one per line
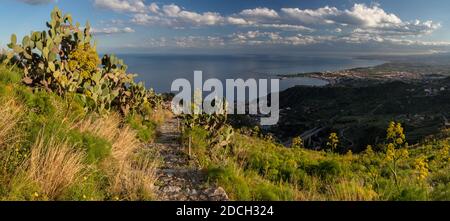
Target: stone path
178 178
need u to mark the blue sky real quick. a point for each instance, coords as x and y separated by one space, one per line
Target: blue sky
249 26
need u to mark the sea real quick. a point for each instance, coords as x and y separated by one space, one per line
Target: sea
158 71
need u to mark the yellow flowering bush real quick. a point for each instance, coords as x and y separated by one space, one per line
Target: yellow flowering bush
297 142
396 148
333 141
421 167
84 61
395 134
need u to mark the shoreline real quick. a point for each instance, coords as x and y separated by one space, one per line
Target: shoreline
332 77
386 72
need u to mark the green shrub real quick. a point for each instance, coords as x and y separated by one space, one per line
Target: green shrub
237 186
8 76
441 192
326 169
200 145
92 187
411 193
146 129
266 191
42 104
96 148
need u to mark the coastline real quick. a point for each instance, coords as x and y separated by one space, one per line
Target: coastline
333 77
386 72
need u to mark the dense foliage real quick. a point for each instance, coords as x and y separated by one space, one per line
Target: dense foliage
63 60
73 126
52 149
255 168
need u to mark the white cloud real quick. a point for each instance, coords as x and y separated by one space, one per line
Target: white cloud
259 13
359 24
112 30
122 5
154 8
171 10
145 19
359 15
237 21
271 38
308 16
373 16
361 18
285 27
194 18
185 42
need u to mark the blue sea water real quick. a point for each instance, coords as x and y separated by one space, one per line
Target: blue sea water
159 71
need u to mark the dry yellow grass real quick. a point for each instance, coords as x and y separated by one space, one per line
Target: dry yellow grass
123 139
9 118
159 115
106 127
125 144
130 178
53 166
133 180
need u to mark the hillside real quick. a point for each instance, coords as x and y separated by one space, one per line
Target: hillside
75 126
360 114
52 149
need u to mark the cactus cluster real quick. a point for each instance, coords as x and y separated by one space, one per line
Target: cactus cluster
45 55
63 60
220 132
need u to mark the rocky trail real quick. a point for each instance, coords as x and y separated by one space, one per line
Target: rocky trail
178 177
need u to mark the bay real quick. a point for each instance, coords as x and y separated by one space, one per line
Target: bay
158 71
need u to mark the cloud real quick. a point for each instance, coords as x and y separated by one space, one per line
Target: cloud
260 13
37 2
237 21
112 30
122 5
145 19
315 17
185 42
360 24
189 17
284 27
173 15
369 18
359 15
373 16
271 38
177 17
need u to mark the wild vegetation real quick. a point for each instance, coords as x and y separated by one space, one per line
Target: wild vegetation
254 167
360 114
73 126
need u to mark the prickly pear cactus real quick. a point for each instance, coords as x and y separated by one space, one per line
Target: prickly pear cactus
62 59
45 55
220 132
